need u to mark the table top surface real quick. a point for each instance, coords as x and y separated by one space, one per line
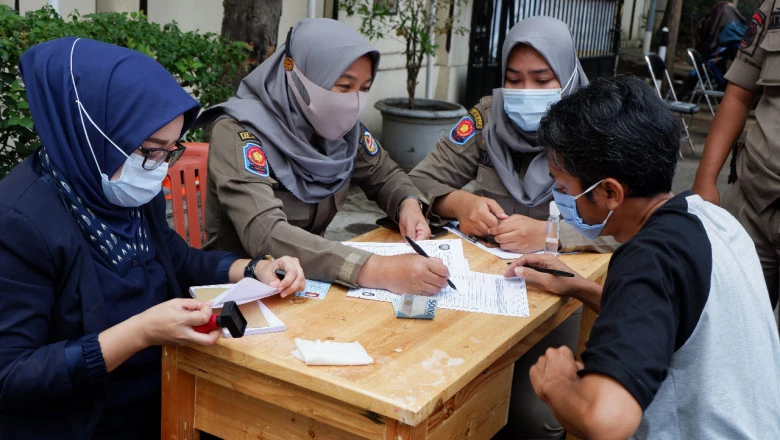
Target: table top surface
417 362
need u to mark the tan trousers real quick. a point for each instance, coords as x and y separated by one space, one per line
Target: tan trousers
764 228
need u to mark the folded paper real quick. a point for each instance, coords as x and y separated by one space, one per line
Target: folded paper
331 353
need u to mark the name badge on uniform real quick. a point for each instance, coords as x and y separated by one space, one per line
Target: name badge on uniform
254 160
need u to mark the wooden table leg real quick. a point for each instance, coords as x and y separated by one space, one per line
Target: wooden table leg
178 399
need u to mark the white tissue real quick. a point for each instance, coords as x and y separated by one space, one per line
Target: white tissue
331 353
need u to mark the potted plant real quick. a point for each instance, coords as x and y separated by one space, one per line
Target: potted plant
410 126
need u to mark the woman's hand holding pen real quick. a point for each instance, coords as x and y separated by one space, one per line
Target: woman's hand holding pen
583 289
411 220
404 274
293 281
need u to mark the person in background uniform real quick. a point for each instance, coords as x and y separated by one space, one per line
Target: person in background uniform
754 197
496 145
684 345
92 278
284 152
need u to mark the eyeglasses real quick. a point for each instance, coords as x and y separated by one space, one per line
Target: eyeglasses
154 157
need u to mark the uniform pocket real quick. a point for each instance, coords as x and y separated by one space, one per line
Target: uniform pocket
770 70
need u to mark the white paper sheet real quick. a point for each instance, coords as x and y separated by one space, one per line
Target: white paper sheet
449 251
244 291
477 292
497 251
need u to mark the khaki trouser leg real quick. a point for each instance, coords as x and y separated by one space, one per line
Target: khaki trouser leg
764 228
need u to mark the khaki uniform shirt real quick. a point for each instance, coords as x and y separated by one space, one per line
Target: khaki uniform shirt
250 213
757 66
462 156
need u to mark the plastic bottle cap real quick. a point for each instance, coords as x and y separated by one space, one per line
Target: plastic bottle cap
554 211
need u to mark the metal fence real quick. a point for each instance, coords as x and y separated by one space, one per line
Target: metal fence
594 24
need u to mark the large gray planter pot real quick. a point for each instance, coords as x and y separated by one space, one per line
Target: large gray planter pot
410 134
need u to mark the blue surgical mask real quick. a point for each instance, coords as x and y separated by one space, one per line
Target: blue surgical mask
525 107
567 204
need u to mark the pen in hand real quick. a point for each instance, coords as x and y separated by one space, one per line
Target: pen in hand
420 251
556 272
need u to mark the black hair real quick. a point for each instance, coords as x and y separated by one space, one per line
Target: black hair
616 127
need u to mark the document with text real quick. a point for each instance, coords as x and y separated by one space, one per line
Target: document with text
477 292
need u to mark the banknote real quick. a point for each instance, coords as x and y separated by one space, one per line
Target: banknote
414 306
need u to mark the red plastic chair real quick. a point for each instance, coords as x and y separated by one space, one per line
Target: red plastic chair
186 182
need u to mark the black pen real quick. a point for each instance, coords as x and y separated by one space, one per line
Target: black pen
420 251
280 273
559 273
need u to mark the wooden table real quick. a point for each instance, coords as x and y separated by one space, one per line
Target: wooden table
445 378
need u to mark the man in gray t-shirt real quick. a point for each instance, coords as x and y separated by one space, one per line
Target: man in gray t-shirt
685 345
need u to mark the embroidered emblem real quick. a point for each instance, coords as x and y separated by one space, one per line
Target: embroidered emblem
463 131
368 143
477 118
245 135
254 160
755 26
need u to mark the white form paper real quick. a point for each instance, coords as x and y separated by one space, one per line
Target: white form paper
449 251
497 251
478 292
244 291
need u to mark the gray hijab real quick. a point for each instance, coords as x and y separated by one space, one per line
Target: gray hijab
311 167
551 38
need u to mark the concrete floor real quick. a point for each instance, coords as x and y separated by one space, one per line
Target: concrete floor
359 213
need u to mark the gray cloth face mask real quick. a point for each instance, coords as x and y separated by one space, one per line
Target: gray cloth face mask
332 114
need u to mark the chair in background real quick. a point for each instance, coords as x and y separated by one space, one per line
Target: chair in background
658 73
705 86
186 181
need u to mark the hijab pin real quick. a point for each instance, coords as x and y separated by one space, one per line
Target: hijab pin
288 62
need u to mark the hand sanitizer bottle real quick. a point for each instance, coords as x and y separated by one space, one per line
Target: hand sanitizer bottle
552 236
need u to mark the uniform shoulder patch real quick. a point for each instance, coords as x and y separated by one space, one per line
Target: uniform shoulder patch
245 136
254 160
477 116
463 131
754 28
368 143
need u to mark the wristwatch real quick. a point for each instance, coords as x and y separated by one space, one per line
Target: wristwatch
249 270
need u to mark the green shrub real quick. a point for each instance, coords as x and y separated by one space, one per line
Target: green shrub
205 64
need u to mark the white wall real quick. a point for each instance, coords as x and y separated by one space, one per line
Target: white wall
65 6
191 15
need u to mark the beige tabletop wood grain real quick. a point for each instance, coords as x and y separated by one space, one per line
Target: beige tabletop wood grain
418 363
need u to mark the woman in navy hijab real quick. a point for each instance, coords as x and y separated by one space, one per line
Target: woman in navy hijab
92 278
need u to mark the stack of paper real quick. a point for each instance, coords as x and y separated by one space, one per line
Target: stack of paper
477 292
247 293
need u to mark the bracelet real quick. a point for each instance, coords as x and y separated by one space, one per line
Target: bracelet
249 270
